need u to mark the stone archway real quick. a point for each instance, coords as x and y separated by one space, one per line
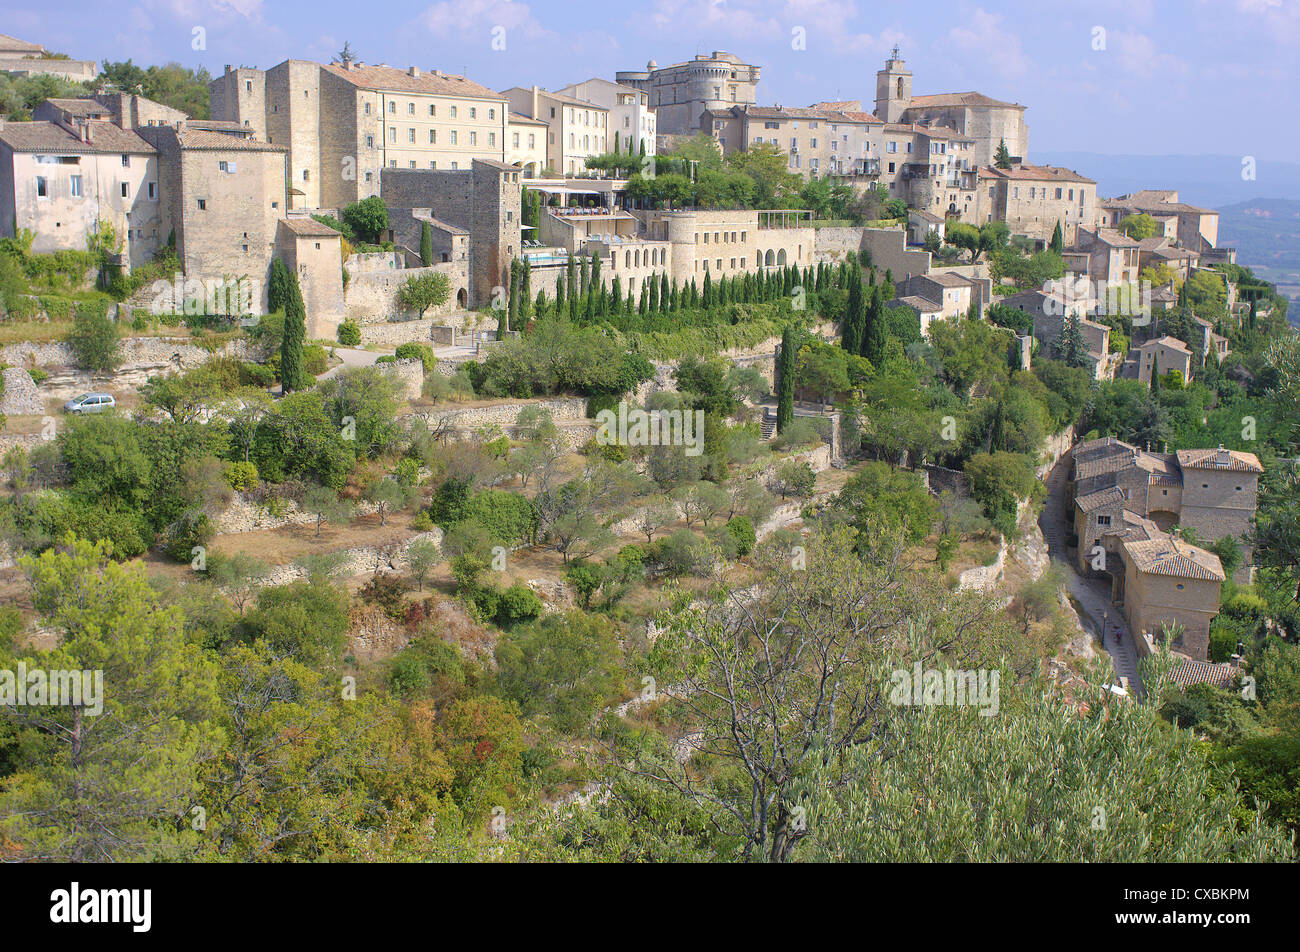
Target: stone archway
462 298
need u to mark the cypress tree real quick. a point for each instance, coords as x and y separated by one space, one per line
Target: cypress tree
292 376
852 324
785 380
663 292
277 288
559 290
616 294
526 293
512 301
707 292
654 293
1058 239
539 306
426 243
584 276
873 347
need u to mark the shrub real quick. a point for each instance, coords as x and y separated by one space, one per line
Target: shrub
1223 642
315 360
743 535
94 339
241 475
518 603
350 334
387 592
423 351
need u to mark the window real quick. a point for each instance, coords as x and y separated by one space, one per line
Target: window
126 189
410 135
473 112
370 142
1103 520
366 109
392 163
413 163
410 108
203 204
153 189
248 86
514 140
473 138
74 188
492 113
492 138
392 108
453 136
306 175
453 112
126 161
392 135
433 110
1058 193
531 139
455 165
42 187
433 137
227 167
891 147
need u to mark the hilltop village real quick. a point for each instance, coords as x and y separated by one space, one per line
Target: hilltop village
528 413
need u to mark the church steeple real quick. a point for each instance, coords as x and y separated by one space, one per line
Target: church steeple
893 88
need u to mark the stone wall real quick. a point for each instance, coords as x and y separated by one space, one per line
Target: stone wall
562 409
363 560
20 395
371 296
409 375
887 248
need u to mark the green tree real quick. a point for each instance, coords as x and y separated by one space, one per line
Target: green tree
785 379
292 375
423 291
94 339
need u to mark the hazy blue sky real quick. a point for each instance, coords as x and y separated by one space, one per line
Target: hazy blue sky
1174 76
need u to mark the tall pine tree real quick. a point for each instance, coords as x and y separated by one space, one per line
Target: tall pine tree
292 376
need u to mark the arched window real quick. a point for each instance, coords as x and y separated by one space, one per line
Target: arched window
900 87
780 257
767 260
627 259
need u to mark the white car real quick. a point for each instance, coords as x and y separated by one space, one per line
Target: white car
90 403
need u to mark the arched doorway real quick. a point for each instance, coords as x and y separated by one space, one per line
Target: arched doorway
462 299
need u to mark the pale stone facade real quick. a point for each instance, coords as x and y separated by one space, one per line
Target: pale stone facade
346 123
987 122
574 129
60 179
681 93
21 58
632 125
1033 199
526 144
1196 229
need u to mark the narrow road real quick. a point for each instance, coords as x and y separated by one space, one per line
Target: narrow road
1092 594
351 357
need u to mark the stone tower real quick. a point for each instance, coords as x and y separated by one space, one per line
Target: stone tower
893 89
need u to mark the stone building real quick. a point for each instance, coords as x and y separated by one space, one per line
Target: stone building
986 121
1033 199
1196 229
60 179
681 93
632 125
223 196
20 58
1104 255
484 200
1049 311
1127 503
575 129
314 253
1163 355
344 123
526 144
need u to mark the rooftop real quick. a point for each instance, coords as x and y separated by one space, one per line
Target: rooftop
962 99
1036 173
1233 461
51 137
388 79
1168 556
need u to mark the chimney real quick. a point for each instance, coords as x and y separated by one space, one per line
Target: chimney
414 71
536 113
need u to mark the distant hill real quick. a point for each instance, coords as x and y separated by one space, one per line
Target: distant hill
1266 234
1209 180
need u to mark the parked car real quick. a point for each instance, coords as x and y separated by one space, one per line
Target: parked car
90 403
